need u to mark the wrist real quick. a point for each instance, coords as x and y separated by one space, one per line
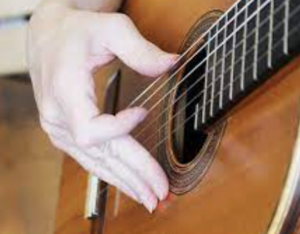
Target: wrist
98 5
43 23
88 5
50 11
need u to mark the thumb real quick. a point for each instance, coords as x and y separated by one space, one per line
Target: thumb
120 36
106 127
74 91
87 124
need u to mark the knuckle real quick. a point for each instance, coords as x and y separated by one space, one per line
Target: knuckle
45 127
120 19
82 139
59 83
48 112
74 20
70 21
56 143
60 88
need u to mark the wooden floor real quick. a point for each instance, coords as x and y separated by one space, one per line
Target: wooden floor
30 167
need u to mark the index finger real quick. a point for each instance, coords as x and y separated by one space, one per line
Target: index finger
74 90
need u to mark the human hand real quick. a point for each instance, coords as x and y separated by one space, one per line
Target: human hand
64 47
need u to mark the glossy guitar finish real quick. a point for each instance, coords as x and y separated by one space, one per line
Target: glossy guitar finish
250 170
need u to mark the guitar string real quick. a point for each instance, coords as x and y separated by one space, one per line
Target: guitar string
290 33
219 77
201 63
203 76
188 50
191 47
189 118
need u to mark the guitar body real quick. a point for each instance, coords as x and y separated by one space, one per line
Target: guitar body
248 183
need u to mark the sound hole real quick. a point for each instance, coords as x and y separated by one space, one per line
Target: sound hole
189 151
187 139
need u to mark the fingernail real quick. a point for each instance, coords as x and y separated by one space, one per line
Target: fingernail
159 193
175 56
150 210
172 58
154 206
142 114
161 196
149 205
163 189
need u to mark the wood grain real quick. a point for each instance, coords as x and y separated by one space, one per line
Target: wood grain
241 191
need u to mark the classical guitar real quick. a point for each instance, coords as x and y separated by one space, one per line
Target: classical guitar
223 123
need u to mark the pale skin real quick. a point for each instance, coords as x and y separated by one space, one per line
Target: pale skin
67 40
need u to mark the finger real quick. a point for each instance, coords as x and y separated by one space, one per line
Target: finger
145 193
106 127
140 160
94 167
119 35
74 91
63 141
54 130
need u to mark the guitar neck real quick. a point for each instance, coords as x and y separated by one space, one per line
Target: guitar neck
244 48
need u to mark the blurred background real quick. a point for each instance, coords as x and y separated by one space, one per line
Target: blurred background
30 167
